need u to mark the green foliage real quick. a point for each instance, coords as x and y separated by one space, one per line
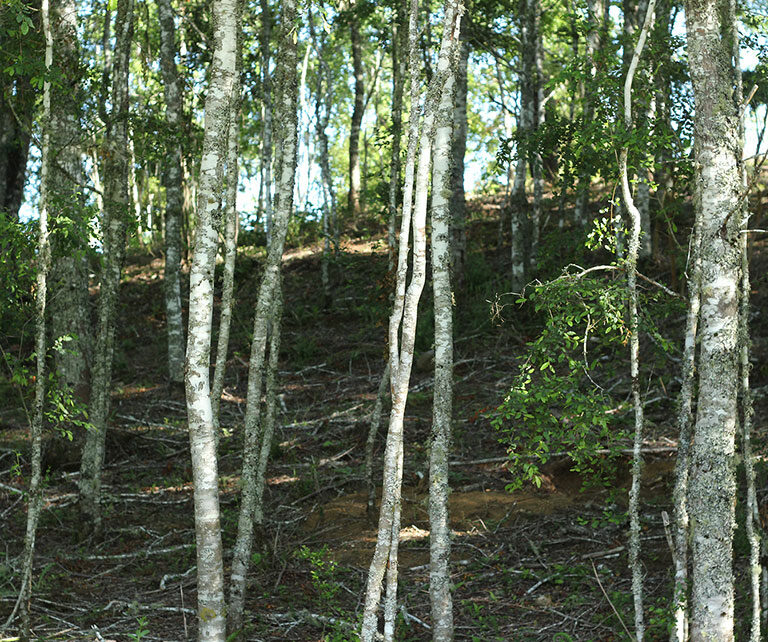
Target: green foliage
555 404
141 630
322 572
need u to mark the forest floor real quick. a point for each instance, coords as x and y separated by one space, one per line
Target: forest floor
537 564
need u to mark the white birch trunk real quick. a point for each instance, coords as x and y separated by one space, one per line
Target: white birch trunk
398 82
174 197
269 292
210 572
114 221
712 486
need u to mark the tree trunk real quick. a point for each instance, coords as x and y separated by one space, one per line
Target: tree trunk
679 631
443 195
520 211
634 338
14 146
712 488
174 193
595 14
114 223
353 203
36 428
266 133
223 77
232 221
269 291
69 303
399 42
458 149
402 328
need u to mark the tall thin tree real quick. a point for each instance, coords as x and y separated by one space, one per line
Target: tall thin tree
712 487
174 192
211 606
113 228
255 447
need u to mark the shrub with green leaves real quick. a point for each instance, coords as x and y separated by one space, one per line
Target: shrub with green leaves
560 399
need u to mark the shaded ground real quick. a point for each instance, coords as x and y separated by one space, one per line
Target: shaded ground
546 564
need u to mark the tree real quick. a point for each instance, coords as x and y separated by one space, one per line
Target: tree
257 441
402 326
353 202
449 70
174 195
69 309
113 227
223 77
712 485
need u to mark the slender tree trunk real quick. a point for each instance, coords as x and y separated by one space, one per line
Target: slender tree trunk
269 292
231 223
14 145
114 222
519 209
69 231
712 486
370 442
595 13
223 78
36 428
458 150
402 329
679 632
634 339
174 194
536 160
399 43
353 203
443 181
752 516
266 134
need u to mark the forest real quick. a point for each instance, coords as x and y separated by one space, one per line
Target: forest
401 320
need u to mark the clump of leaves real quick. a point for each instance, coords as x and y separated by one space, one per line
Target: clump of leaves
556 402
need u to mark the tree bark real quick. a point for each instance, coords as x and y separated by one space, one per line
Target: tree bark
402 328
231 223
223 78
35 497
458 227
634 338
353 203
69 302
269 291
174 193
114 223
399 42
712 487
266 134
443 195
